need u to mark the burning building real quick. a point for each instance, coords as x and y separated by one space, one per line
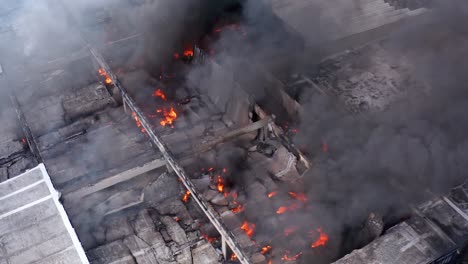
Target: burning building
241 131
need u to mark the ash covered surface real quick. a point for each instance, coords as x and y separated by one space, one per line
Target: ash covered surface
370 79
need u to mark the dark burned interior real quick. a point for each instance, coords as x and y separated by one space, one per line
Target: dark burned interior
242 131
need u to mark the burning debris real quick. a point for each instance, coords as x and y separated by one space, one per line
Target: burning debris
138 123
272 194
169 116
321 241
288 257
186 196
159 93
266 249
107 79
248 228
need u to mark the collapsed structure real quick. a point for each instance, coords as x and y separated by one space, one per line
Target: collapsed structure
154 170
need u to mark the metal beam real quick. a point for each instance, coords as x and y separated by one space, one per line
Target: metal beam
176 167
113 180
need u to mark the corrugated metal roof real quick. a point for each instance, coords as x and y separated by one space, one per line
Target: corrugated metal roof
34 227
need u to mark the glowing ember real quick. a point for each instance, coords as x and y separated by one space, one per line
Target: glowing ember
159 93
234 195
287 257
104 74
219 184
169 116
272 194
321 241
265 249
298 196
186 196
290 230
324 146
282 210
238 209
248 228
177 219
188 53
138 122
24 141
209 239
233 257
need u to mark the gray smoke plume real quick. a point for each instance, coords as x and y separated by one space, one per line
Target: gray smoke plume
394 158
380 164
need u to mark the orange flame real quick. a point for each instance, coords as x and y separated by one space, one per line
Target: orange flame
321 241
265 249
159 93
272 194
209 239
282 210
186 196
169 116
248 228
286 257
298 196
219 184
188 52
238 209
138 122
233 257
105 75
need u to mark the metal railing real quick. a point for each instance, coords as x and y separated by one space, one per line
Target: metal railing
227 236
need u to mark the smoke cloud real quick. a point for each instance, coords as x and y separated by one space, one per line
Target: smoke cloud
392 159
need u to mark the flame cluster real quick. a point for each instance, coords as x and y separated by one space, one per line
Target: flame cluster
321 241
186 196
249 228
300 198
288 257
138 122
159 93
169 115
187 54
220 184
239 207
209 239
104 74
266 249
